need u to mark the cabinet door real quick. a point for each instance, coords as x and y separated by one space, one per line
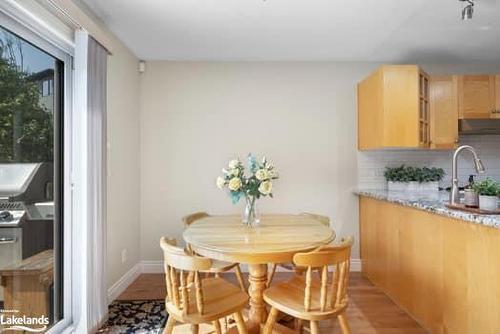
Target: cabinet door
370 112
476 96
444 112
496 111
424 110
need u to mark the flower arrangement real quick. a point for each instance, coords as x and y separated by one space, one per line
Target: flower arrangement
254 185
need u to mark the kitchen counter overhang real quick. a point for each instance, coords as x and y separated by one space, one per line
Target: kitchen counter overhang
433 202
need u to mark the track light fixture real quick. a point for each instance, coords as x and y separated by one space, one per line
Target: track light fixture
468 10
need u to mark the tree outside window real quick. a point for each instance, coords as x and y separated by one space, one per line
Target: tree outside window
26 120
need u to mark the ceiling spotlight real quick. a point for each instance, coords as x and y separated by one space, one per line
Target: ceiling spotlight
468 10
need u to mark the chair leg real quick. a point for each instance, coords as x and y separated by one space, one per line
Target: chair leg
195 328
344 325
216 324
271 274
271 320
240 323
314 327
169 327
239 276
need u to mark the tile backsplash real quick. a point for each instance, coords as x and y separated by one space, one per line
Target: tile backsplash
371 164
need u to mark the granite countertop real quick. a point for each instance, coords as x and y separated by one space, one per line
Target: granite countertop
433 202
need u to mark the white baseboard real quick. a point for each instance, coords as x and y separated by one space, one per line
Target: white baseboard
355 265
156 267
152 267
116 289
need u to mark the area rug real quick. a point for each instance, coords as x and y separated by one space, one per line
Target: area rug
135 317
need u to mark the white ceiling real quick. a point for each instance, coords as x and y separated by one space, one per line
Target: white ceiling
348 30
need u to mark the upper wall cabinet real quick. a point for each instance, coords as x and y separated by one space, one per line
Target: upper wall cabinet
496 111
394 108
479 96
444 111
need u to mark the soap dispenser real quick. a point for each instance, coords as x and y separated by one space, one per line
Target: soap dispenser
471 199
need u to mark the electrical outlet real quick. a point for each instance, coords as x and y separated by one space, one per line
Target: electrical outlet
124 255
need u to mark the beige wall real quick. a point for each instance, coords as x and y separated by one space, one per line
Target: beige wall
195 116
123 162
192 120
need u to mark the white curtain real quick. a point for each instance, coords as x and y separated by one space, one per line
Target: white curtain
96 196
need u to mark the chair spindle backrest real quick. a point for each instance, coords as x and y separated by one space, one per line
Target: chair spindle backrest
181 268
189 219
337 256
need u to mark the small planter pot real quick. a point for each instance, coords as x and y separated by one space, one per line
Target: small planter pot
413 186
488 203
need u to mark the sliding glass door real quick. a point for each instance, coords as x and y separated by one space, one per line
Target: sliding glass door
31 183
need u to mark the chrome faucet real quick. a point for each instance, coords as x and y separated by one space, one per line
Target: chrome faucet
478 165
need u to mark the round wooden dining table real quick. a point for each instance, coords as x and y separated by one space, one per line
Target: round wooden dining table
275 240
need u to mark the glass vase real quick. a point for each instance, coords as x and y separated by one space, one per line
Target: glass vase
251 215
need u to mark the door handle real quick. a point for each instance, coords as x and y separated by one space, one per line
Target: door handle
7 240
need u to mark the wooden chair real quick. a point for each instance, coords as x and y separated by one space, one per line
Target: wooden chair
323 220
312 299
191 299
218 267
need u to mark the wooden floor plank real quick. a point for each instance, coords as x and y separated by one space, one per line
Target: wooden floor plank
370 310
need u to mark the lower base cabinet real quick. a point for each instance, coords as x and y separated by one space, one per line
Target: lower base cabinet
444 272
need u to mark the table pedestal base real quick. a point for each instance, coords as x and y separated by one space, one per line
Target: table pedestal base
258 283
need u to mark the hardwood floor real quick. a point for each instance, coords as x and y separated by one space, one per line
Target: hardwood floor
146 287
370 310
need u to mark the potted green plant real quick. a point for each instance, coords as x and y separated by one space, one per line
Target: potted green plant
416 179
488 191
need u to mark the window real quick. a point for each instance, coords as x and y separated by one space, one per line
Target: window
47 87
31 182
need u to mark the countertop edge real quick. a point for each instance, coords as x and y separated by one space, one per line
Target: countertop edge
432 206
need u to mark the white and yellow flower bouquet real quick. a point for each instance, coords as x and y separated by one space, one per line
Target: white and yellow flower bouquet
257 183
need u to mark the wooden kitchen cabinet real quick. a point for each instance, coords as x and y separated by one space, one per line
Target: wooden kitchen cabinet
443 271
394 108
444 111
496 111
476 96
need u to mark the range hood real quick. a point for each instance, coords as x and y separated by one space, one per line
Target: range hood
479 126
